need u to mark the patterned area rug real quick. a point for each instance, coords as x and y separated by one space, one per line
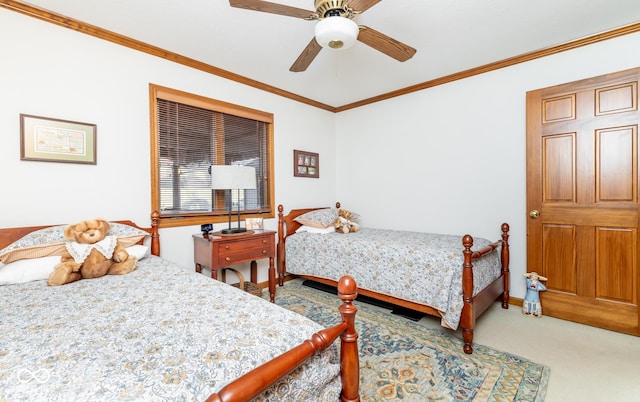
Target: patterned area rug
403 360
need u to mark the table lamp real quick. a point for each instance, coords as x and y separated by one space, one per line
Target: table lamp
233 177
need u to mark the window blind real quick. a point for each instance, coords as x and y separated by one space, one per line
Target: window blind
190 140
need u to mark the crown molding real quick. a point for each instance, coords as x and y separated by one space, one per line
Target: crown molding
80 26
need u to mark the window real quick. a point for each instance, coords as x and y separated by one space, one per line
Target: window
189 133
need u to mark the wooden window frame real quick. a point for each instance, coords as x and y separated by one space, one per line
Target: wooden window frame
159 92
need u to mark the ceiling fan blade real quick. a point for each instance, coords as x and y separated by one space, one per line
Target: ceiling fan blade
306 57
362 5
385 44
274 8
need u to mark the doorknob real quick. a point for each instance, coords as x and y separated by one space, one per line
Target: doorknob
534 213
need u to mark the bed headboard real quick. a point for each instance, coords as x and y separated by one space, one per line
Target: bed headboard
286 222
9 235
286 227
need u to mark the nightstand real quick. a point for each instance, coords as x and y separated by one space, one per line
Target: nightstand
216 251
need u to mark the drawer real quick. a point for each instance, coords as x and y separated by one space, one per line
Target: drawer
246 250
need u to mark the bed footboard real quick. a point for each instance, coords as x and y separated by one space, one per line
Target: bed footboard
256 381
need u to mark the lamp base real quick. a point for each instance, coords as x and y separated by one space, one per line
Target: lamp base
233 230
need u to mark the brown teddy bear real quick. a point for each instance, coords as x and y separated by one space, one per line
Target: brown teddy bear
344 223
91 253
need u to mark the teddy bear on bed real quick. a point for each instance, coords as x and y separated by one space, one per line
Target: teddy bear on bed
344 223
91 253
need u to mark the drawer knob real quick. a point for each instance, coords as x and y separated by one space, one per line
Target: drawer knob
264 241
227 247
264 251
227 259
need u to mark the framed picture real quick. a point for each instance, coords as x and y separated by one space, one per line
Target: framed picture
306 164
53 140
253 224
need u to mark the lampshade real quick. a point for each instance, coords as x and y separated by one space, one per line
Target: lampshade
233 177
336 32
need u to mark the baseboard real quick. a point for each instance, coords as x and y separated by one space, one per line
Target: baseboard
514 301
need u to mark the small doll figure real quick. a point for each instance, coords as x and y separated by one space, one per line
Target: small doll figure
531 304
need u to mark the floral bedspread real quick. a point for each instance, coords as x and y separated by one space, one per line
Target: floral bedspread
425 268
159 333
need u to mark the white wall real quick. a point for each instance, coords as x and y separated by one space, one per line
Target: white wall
55 72
454 156
466 133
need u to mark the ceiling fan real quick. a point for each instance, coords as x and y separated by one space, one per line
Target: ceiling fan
335 28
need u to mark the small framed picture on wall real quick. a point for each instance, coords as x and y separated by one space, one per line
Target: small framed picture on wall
46 139
306 164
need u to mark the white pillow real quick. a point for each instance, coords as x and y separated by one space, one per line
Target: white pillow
38 269
32 269
311 229
139 251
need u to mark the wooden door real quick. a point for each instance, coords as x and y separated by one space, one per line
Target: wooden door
582 199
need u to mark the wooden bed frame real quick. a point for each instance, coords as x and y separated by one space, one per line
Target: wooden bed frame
259 379
473 307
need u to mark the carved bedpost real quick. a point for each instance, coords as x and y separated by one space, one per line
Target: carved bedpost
467 318
155 235
280 246
251 384
349 359
505 264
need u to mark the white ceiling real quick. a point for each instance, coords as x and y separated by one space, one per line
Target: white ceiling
450 36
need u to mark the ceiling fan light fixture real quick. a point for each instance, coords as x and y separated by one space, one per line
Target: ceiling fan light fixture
336 32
